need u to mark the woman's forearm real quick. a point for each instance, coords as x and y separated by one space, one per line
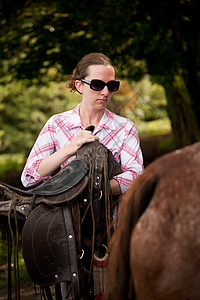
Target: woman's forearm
49 164
115 187
52 162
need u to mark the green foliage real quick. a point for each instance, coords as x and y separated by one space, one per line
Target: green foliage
139 36
42 41
145 104
151 100
10 162
25 109
40 35
156 127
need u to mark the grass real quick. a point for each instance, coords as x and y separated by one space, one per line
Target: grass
155 127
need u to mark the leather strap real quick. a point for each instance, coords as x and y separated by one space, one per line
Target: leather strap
72 252
77 225
9 243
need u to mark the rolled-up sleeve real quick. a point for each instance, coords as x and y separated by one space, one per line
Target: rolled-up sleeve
131 160
43 147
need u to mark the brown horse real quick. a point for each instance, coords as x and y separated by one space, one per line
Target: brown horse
155 251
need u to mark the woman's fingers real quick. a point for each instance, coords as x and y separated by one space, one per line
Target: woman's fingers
82 137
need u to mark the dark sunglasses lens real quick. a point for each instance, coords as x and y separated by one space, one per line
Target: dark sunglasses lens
97 85
113 85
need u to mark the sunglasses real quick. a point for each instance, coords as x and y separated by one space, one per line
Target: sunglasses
98 85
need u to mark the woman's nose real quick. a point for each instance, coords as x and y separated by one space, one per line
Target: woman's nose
105 90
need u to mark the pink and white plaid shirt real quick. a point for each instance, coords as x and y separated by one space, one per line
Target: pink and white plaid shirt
115 132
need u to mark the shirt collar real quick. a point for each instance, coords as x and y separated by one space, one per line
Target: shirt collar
74 119
105 122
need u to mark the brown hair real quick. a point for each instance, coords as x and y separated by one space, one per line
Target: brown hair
81 70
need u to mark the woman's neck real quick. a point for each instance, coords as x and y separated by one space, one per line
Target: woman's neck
90 116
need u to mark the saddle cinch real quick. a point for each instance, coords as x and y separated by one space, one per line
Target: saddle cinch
54 214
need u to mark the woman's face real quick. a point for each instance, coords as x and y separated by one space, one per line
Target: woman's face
97 99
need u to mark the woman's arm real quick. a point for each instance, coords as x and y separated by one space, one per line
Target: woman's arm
115 187
52 162
131 160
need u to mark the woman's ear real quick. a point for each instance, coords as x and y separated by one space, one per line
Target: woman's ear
79 86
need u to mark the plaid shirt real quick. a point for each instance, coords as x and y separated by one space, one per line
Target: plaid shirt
115 132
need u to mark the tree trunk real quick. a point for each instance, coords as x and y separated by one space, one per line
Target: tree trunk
185 128
192 82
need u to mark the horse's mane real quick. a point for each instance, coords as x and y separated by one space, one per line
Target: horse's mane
133 205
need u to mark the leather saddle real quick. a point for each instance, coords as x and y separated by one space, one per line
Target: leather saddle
70 181
51 210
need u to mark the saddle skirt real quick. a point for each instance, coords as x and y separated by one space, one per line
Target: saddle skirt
46 241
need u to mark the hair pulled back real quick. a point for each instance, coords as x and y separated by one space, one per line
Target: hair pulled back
81 70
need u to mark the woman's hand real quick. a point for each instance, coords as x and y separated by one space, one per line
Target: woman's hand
52 162
82 137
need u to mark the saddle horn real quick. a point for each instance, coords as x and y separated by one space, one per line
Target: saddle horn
90 128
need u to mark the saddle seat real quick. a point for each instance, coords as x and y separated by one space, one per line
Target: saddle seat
65 179
63 187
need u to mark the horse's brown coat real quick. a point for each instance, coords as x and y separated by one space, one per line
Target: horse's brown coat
163 236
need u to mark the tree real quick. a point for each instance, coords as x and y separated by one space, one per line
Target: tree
164 34
161 38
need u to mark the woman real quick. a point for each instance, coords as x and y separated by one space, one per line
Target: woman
64 134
